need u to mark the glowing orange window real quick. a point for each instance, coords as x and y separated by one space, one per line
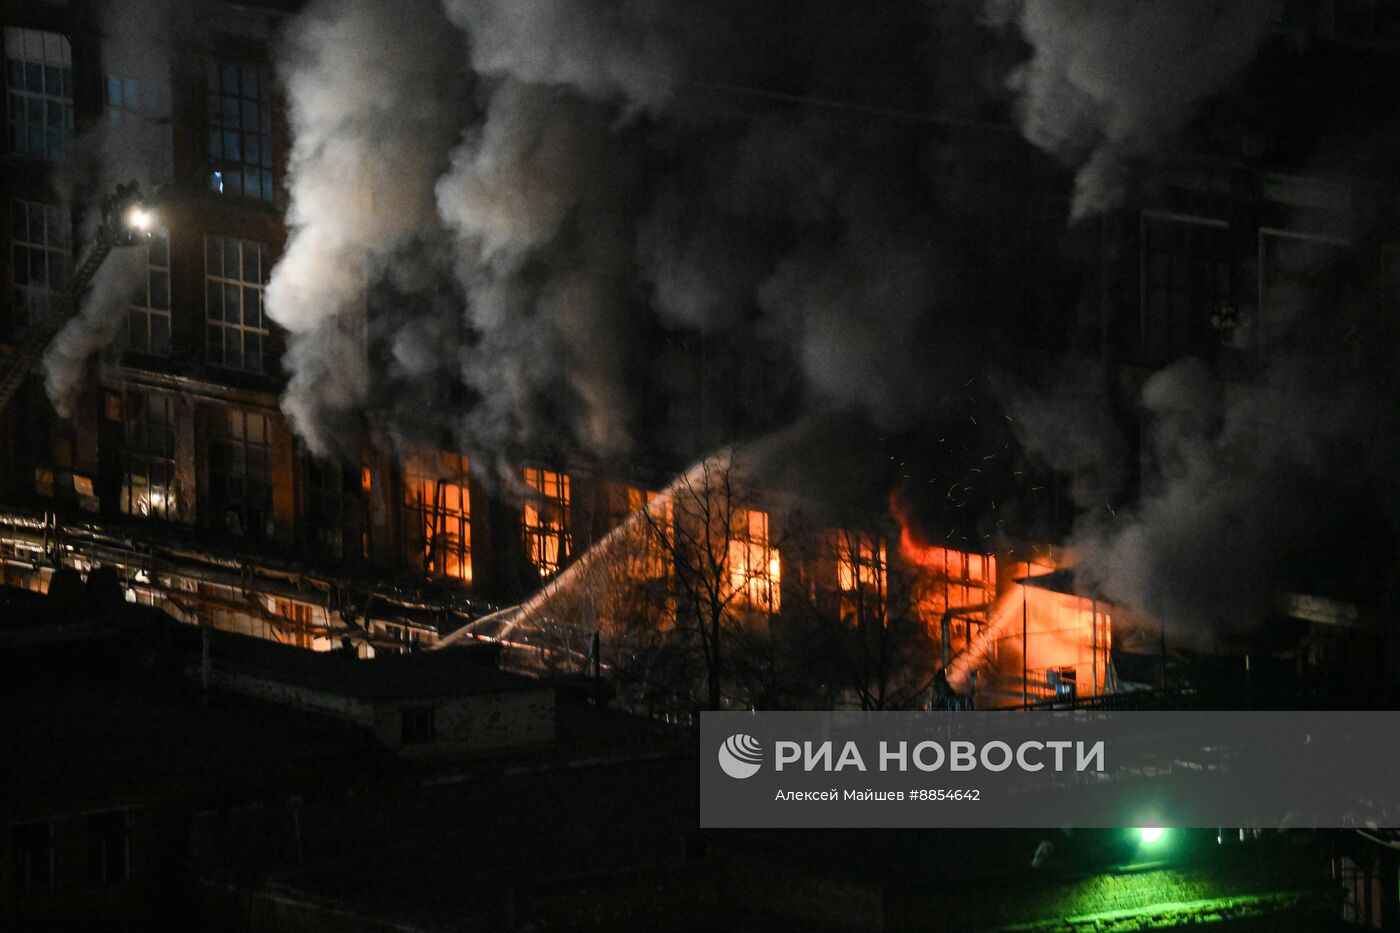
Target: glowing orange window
545 525
654 535
754 570
437 506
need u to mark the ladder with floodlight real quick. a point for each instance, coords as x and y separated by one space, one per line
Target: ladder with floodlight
126 220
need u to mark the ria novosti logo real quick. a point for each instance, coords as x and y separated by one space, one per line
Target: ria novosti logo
740 756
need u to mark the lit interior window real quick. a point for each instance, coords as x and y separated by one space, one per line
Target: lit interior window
437 504
754 572
547 537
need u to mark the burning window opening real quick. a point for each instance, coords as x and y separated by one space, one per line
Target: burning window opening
546 525
861 577
754 572
437 515
649 556
954 592
1064 640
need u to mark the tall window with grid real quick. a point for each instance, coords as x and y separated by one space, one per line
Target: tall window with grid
40 254
235 272
240 130
323 503
148 321
240 470
437 515
546 527
149 487
753 561
39 82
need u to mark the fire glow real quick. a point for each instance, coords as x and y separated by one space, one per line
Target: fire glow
994 616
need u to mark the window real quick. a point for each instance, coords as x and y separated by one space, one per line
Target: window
240 130
149 488
39 78
437 515
959 580
416 725
548 541
323 504
39 256
1185 285
753 563
141 109
240 470
655 533
32 845
235 272
148 322
860 577
109 847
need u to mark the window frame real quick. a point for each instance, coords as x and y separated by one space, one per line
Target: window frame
238 119
216 277
438 537
145 308
546 520
224 471
35 303
142 452
25 101
752 562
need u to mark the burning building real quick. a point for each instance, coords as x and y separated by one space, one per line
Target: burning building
703 355
321 431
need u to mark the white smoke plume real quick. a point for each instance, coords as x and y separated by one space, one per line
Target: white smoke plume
1111 81
535 199
525 185
100 317
372 121
603 49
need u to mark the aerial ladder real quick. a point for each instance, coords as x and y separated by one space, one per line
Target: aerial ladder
126 220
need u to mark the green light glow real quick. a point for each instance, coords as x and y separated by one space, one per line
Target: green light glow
1150 834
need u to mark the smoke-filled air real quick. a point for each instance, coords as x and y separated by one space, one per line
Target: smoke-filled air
518 227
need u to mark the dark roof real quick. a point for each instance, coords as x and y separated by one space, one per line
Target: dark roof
401 676
100 723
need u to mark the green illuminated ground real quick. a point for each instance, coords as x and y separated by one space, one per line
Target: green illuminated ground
1155 914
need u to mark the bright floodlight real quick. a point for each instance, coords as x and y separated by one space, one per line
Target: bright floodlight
138 218
1150 834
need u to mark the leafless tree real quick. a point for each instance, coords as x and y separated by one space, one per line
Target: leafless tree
859 632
